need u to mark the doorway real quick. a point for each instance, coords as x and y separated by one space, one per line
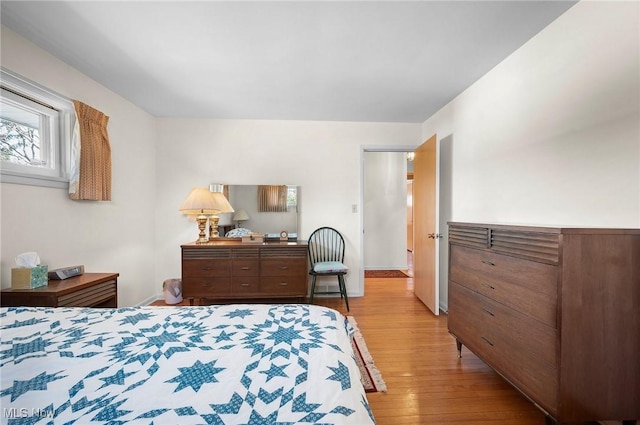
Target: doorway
384 211
444 183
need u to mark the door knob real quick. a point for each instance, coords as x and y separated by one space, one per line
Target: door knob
435 236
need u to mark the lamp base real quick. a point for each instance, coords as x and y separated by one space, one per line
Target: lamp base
202 225
213 227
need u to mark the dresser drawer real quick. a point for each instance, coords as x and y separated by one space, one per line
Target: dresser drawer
245 267
506 324
499 344
283 285
245 285
201 287
245 252
527 286
205 252
206 268
283 267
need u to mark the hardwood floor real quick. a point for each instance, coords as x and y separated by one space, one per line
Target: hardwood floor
427 382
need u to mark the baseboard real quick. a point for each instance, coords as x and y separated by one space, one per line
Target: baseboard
405 267
150 300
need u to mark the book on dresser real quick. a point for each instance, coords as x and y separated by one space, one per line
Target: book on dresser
555 311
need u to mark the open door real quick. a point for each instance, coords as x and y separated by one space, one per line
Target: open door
425 225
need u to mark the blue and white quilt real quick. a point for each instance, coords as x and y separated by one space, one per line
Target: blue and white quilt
232 364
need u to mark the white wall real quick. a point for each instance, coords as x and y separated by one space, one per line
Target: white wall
385 210
116 236
323 158
552 135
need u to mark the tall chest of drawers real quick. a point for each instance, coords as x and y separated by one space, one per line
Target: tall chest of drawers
555 311
229 269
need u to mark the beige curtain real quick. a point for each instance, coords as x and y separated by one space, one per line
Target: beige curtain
272 198
93 180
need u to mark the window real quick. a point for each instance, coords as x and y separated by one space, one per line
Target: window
292 197
35 126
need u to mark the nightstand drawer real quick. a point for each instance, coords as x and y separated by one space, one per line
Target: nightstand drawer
526 286
90 296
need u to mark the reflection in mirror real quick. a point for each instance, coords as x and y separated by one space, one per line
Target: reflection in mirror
249 214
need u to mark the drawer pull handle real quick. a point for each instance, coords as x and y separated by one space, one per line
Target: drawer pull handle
489 312
206 268
284 267
488 263
246 268
487 341
206 284
283 283
244 284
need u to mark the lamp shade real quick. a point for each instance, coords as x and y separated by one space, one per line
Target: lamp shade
241 215
221 202
202 201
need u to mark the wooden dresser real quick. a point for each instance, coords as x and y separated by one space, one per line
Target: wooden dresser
555 311
86 290
230 269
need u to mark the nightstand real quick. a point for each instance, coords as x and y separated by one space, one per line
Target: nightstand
87 290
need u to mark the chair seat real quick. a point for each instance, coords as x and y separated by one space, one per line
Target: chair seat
328 267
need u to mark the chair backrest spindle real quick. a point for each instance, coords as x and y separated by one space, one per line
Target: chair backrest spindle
326 244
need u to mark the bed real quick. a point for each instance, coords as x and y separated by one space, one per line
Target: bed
231 364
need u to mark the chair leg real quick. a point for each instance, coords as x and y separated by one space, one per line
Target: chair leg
343 290
313 289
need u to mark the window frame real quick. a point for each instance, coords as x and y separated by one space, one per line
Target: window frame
59 136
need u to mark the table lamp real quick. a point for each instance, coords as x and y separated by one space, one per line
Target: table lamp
205 205
239 217
222 206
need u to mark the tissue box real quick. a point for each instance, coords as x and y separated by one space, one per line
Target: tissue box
29 277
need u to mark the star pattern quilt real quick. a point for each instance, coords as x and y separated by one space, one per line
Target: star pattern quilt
231 364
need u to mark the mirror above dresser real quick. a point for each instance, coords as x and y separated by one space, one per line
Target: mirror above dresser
266 209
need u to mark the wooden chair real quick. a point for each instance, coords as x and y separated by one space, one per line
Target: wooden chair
326 254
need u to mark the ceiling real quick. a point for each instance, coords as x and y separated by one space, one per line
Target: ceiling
330 61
